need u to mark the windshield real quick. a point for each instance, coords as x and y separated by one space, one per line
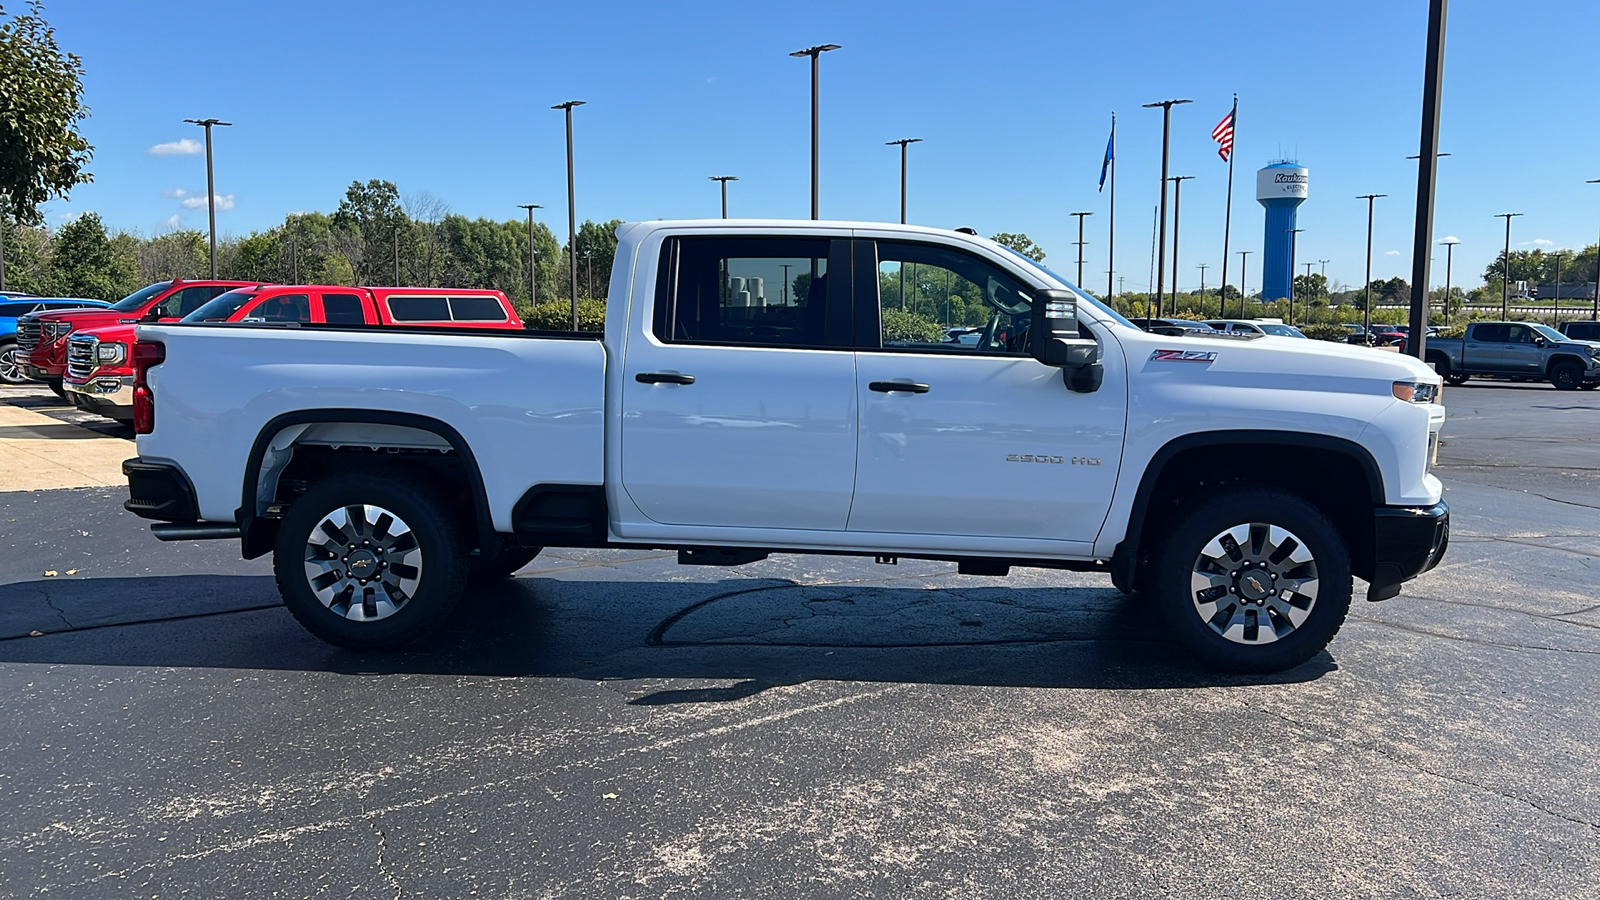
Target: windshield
138 298
1280 330
220 307
1550 334
1092 301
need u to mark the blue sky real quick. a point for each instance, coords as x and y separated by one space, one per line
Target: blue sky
1013 102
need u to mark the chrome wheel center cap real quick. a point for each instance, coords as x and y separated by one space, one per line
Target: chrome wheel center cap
363 564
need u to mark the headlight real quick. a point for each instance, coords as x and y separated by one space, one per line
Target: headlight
1416 391
111 354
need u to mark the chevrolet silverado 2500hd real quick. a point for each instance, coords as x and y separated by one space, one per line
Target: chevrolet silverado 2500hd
746 398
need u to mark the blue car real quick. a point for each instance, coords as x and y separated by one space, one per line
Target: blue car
13 307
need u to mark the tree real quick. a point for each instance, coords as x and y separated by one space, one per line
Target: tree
42 155
365 225
176 254
1020 243
86 263
601 241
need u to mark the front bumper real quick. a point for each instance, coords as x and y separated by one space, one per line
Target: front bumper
1407 542
107 395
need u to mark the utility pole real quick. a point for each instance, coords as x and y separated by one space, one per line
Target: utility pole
1120 280
588 263
1294 235
1166 143
1202 267
1558 254
1366 313
1177 201
1111 208
1081 242
1243 258
902 143
211 186
572 214
1449 253
786 268
1594 312
724 179
816 145
1427 176
397 256
1505 276
533 272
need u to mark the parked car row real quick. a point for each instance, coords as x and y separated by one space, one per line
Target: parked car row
84 350
1177 327
12 308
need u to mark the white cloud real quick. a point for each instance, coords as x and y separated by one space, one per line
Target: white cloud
183 147
1391 253
224 202
175 194
1542 242
1452 239
72 215
172 222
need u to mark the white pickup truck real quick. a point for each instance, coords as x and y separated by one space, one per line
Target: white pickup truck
747 398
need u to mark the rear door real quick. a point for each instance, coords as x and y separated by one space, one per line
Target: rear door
977 440
1485 348
739 405
339 308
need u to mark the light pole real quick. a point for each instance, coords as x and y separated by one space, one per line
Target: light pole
1558 254
1505 270
816 82
786 268
1222 308
724 179
533 272
211 186
902 143
1161 245
1310 296
1449 254
1177 202
572 214
397 256
1427 177
1081 242
1294 235
588 264
1594 312
1366 312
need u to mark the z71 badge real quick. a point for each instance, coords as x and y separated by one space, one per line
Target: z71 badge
1184 356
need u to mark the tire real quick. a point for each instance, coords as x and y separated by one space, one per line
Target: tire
1279 628
1590 385
414 577
1566 376
58 390
10 371
1456 378
504 564
1441 365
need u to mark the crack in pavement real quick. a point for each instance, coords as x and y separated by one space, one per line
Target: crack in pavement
1553 617
383 850
156 621
1468 640
1424 770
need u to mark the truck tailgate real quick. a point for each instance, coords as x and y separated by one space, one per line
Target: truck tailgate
529 408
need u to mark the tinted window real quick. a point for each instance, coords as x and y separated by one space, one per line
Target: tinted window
343 309
1583 331
221 307
419 309
754 291
66 304
476 309
16 309
284 308
188 300
922 289
138 298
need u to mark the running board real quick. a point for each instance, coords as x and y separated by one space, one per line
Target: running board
194 531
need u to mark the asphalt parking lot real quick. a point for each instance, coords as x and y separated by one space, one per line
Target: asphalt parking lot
609 724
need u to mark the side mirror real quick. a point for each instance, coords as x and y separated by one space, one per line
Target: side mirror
1057 342
153 315
1538 342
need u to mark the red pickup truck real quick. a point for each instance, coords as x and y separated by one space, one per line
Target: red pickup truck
41 336
99 370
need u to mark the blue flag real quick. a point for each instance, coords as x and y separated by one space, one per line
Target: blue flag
1111 150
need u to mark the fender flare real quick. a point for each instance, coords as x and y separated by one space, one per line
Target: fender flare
256 535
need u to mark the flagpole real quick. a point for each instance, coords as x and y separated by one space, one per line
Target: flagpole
1227 225
1111 225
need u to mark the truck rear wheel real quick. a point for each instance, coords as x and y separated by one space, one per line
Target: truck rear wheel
1256 580
1566 376
370 562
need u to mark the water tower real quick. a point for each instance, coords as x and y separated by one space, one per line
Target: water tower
1281 188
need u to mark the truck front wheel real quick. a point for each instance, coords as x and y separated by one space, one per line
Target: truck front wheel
1566 376
370 562
1256 580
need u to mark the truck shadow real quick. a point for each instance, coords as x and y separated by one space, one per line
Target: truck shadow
650 637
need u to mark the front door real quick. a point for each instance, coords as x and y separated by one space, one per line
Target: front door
739 408
973 439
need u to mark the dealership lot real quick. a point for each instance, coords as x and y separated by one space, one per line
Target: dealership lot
611 724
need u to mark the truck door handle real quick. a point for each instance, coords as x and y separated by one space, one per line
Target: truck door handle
663 378
909 387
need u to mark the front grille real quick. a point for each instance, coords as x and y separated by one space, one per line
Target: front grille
28 331
81 350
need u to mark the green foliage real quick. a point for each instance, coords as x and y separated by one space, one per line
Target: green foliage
904 325
600 241
86 263
1020 243
557 315
42 154
365 227
1326 331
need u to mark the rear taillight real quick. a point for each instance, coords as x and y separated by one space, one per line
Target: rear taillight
145 355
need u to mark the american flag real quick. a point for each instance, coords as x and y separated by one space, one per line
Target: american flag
1223 135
